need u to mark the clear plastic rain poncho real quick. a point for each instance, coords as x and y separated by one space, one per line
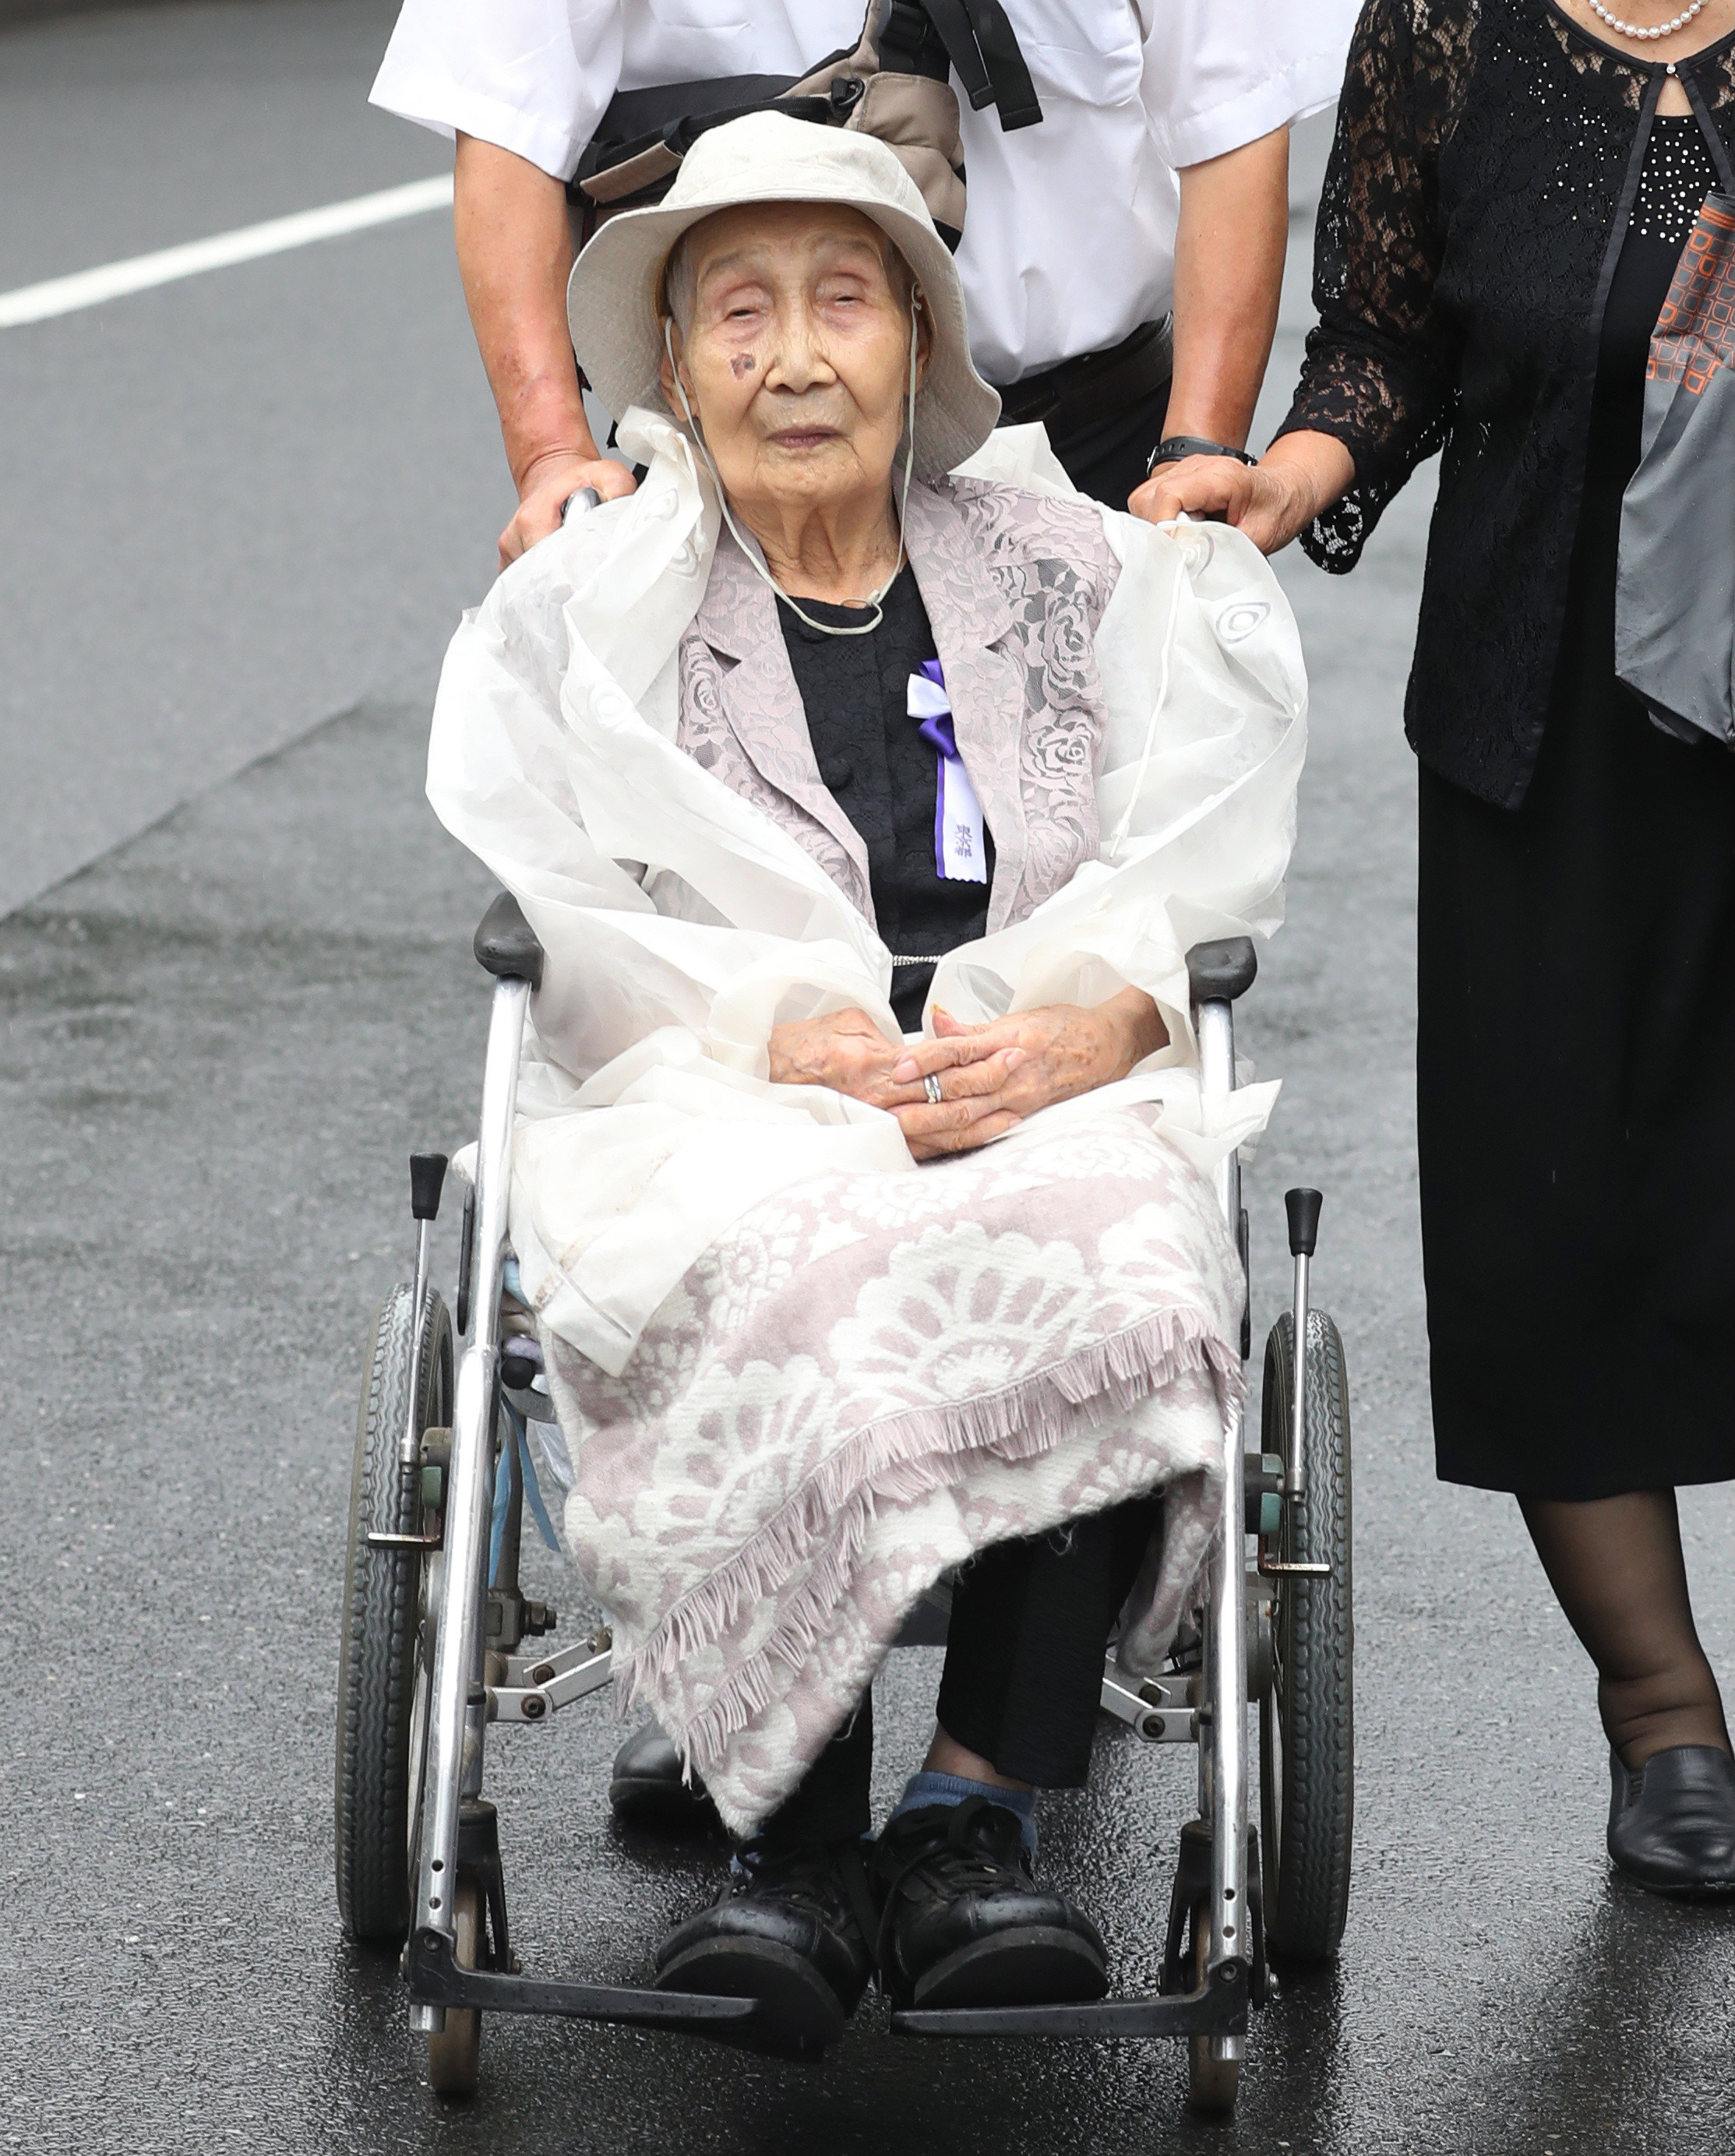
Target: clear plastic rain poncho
681 924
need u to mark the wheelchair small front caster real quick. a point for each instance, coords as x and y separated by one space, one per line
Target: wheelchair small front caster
454 2052
1212 2084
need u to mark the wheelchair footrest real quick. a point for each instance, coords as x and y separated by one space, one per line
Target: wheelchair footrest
1219 2010
436 1979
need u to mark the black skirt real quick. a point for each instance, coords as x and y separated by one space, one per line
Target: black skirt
1576 1062
1576 1110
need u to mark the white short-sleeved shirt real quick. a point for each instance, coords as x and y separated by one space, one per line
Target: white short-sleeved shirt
1069 241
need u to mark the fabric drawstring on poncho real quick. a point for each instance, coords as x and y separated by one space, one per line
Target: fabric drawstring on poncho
873 603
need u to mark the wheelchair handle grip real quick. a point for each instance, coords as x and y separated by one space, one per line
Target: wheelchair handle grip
1222 971
427 1175
1303 1206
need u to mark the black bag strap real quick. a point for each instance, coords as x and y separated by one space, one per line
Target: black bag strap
983 47
909 44
1713 140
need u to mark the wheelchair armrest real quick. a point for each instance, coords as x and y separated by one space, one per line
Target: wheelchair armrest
1219 973
506 944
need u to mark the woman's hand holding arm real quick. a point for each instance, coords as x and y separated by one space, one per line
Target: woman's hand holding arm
1297 477
1382 366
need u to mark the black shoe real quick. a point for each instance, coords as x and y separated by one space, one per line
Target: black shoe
647 1789
963 1923
1672 1822
793 1932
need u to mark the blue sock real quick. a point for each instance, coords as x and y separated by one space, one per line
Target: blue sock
928 1788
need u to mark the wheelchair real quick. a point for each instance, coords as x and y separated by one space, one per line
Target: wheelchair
439 1645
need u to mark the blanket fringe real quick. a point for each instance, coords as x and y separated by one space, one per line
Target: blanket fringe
900 1459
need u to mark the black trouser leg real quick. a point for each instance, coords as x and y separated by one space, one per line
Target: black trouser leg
1107 458
830 1803
1023 1678
1024 1656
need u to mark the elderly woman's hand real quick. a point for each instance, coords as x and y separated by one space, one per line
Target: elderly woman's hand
847 1052
991 1076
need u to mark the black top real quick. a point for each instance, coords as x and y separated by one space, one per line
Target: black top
885 777
1487 157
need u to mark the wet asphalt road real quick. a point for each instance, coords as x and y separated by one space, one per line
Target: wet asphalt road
228 506
220 1039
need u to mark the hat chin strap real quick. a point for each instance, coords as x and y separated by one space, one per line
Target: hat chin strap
752 551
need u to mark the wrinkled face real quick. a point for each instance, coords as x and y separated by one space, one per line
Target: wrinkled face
794 350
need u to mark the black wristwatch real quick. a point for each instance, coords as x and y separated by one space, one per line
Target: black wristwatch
1174 447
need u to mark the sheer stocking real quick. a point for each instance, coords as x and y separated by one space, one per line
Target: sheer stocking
1616 1565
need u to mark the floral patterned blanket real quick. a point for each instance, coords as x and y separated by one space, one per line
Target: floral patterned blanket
868 1378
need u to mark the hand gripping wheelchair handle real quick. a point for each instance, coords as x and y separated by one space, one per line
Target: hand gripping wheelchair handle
506 944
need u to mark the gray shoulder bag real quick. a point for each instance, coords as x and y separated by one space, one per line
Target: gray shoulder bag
1675 590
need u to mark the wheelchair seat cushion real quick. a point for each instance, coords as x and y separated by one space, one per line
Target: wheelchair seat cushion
867 1379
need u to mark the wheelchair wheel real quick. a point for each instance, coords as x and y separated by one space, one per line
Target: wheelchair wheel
1212 2084
1306 1713
454 2052
382 1664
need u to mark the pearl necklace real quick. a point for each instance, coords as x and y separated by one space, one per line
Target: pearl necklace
1657 30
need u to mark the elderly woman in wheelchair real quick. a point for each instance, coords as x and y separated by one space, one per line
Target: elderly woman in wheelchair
865 787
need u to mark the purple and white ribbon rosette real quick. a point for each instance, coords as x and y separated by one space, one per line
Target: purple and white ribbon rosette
960 851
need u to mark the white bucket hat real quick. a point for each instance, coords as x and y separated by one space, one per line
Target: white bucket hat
616 282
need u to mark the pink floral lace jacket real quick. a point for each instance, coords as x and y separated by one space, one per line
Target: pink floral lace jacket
1014 584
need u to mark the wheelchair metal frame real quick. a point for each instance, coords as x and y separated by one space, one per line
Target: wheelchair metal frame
1208 1706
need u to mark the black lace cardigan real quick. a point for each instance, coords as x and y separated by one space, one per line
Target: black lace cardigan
1486 155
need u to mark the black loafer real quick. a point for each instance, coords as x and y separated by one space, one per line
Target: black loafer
963 1923
647 1789
792 1931
1672 1822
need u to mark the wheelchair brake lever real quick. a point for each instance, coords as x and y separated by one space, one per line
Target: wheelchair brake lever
1271 1568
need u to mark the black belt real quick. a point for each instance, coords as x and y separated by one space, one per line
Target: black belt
1096 385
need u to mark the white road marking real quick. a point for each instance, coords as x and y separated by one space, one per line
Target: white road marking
89 288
